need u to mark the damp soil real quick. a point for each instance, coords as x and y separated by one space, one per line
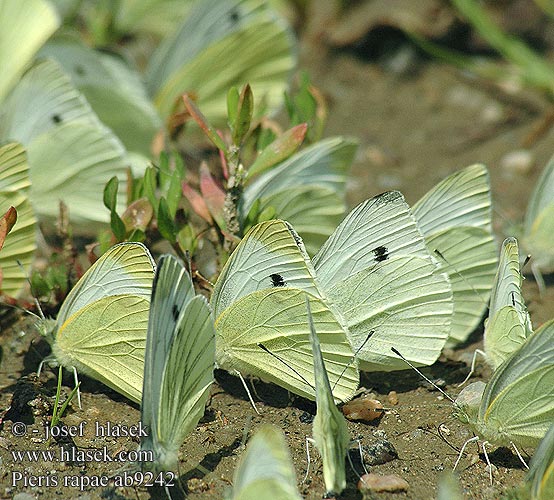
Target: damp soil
415 126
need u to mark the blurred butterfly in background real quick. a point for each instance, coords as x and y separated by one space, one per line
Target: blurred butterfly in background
101 327
455 218
541 468
538 226
178 364
19 245
265 469
260 312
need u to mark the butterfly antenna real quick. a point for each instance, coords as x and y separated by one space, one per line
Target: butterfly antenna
353 358
35 300
472 369
526 261
239 374
420 373
466 281
261 346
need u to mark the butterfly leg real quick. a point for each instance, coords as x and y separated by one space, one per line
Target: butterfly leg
519 456
77 386
462 451
489 465
472 369
247 391
39 369
308 441
538 278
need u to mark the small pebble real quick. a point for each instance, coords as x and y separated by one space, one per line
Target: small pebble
393 398
376 483
379 453
363 409
517 163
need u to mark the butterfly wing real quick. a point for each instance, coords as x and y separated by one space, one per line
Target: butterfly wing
179 362
509 323
307 189
20 243
125 269
377 270
105 340
24 27
265 470
518 402
444 215
541 199
330 431
541 468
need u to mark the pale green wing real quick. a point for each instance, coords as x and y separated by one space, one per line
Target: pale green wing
405 302
541 468
180 358
455 218
376 230
277 319
43 100
20 244
330 431
270 254
106 340
234 41
462 199
518 402
24 27
72 163
504 334
538 241
468 255
509 323
125 269
307 189
172 289
541 198
265 469
113 89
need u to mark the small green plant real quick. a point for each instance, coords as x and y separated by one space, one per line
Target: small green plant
59 410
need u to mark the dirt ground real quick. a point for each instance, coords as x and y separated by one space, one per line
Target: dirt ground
414 128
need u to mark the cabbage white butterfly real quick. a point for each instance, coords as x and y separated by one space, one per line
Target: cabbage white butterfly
516 407
265 470
259 306
509 323
330 432
101 327
455 218
538 226
178 363
378 272
20 243
541 468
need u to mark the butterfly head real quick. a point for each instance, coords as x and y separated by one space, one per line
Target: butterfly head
47 328
466 406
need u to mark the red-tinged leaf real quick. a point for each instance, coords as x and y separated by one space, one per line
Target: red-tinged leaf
213 195
7 221
138 215
202 122
197 203
279 150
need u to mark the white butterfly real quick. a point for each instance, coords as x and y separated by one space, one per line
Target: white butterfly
178 364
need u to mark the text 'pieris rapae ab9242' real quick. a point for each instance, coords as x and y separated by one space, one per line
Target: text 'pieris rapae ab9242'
265 469
330 432
516 407
455 218
178 365
259 298
101 327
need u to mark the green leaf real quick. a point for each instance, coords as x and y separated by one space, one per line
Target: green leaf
202 122
186 238
117 225
279 150
245 109
110 194
166 225
174 193
149 188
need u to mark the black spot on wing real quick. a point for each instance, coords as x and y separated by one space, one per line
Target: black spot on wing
381 253
513 299
80 70
277 280
234 16
175 312
56 119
